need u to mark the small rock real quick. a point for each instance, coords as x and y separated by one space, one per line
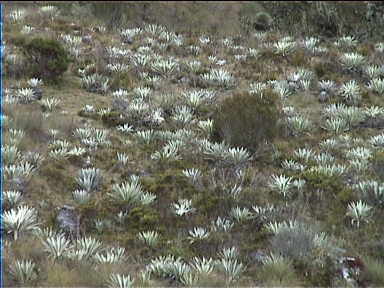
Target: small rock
258 256
68 219
323 96
87 39
127 40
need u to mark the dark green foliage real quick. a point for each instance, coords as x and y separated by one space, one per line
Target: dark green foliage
378 164
47 58
57 175
113 119
373 273
245 120
294 243
328 197
122 81
143 218
323 276
262 21
320 181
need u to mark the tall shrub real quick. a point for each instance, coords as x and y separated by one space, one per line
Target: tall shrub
245 120
47 58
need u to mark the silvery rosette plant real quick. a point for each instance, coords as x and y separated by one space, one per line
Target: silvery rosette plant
81 197
277 227
299 125
194 176
49 11
292 165
92 137
376 85
35 158
141 61
170 152
282 88
120 281
35 83
50 104
89 179
25 95
117 68
350 92
304 154
202 266
373 71
115 53
221 224
352 61
240 214
10 154
127 35
145 136
57 246
281 184
311 44
193 66
23 271
230 264
17 15
182 207
110 255
149 238
327 87
377 141
359 212
165 67
131 193
196 98
219 77
206 127
335 125
346 42
85 249
95 83
371 191
11 199
197 234
257 88
19 220
18 174
154 29
284 46
329 169
15 136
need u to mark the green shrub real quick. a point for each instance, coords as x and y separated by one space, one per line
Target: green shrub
280 273
143 218
373 272
262 21
47 58
378 164
296 243
245 120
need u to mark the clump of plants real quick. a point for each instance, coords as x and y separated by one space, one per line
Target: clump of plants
47 58
245 120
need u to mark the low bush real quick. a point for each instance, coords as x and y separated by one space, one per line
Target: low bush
245 120
373 274
47 58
